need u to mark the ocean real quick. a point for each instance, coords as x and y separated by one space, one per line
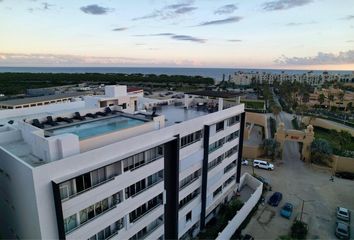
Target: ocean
216 73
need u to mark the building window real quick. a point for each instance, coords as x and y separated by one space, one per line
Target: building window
232 136
229 181
215 162
143 184
140 159
70 223
189 216
145 208
217 191
233 120
189 179
189 198
97 208
191 138
232 151
230 166
143 233
109 231
216 145
89 180
220 126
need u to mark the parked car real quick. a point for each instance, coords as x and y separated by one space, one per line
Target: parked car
263 180
275 199
263 164
343 214
287 210
248 237
244 162
346 175
342 230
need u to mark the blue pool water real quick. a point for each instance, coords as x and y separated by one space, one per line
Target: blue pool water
91 129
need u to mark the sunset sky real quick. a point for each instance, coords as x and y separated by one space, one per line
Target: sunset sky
289 34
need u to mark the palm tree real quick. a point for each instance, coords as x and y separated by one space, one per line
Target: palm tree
276 109
321 98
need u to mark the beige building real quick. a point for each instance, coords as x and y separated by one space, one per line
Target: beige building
332 97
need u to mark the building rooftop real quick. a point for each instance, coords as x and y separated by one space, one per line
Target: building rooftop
21 101
218 94
176 114
91 127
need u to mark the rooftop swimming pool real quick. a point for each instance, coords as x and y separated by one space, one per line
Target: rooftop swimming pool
87 130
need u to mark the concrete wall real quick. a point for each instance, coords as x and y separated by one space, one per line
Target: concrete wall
343 164
242 214
259 119
327 124
17 199
252 151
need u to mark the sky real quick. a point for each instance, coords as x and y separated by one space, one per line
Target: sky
284 34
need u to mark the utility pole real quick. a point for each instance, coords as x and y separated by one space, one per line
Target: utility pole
302 205
302 209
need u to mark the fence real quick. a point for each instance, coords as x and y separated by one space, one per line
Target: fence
242 214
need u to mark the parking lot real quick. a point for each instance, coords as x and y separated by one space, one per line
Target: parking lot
296 181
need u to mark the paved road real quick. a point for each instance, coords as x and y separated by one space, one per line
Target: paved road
298 180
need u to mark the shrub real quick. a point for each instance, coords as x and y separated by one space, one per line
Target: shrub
298 230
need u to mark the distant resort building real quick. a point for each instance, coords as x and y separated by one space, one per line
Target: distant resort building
246 78
39 101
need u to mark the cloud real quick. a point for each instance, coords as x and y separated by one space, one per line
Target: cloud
45 6
284 4
18 59
350 41
169 11
184 10
234 40
226 9
154 35
221 21
95 9
119 29
348 18
174 37
294 24
188 38
320 59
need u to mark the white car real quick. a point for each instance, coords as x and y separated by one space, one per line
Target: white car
263 164
343 214
244 162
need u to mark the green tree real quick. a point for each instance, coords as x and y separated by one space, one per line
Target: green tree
341 96
299 230
331 97
344 138
271 147
321 98
306 97
321 152
276 109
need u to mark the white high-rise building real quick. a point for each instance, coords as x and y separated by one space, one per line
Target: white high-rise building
114 172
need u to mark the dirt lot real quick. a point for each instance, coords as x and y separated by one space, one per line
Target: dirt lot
297 180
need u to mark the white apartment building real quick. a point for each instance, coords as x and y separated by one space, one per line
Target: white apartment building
246 78
112 173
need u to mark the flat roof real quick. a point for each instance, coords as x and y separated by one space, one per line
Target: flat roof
209 93
21 101
176 114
